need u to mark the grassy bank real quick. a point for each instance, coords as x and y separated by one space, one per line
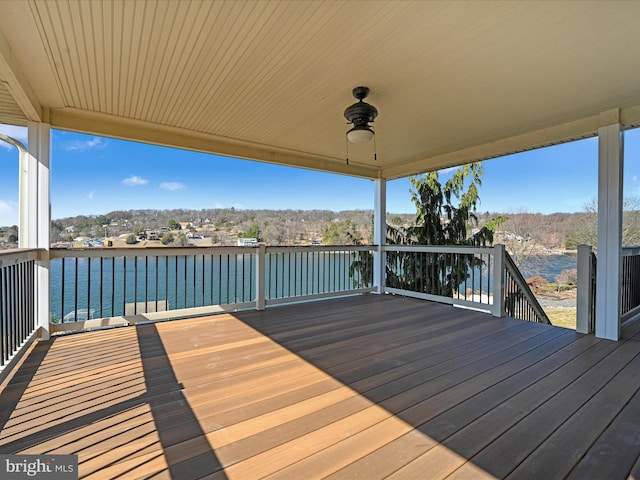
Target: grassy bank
562 316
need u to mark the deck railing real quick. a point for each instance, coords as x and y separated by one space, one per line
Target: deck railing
106 286
307 273
586 295
17 303
519 300
630 288
96 287
456 275
483 278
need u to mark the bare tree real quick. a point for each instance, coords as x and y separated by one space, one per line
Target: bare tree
521 235
586 228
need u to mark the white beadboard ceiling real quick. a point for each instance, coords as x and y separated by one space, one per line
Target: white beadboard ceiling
269 80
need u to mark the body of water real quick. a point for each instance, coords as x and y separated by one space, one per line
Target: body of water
548 266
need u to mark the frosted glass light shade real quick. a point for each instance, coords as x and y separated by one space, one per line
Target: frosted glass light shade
360 135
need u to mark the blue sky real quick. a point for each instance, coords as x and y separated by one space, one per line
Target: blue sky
95 175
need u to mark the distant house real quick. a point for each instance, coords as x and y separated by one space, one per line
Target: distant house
185 225
94 242
70 229
248 242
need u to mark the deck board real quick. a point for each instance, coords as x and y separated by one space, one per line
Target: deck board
367 386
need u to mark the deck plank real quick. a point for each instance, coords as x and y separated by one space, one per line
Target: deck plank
365 386
557 456
490 391
520 439
615 452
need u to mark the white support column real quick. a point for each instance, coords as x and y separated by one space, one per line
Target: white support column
380 234
23 199
38 214
610 171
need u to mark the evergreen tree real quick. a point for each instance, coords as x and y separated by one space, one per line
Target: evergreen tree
172 224
445 215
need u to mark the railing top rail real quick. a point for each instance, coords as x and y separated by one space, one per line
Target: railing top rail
438 249
8 257
631 250
110 252
323 248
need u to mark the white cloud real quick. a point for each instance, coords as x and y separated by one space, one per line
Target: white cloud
83 146
171 186
19 133
134 181
8 213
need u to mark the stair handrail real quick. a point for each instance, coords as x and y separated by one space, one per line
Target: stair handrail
513 272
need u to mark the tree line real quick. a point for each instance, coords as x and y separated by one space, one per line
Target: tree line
287 227
528 231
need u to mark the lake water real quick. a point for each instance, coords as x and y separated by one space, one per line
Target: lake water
548 266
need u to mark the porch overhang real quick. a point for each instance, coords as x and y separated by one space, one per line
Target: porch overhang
453 81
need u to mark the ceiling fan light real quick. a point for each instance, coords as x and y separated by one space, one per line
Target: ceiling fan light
360 134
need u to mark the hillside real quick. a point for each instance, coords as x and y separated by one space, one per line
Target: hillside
300 227
224 226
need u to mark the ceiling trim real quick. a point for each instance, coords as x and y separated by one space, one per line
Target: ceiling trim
88 122
561 133
630 116
12 77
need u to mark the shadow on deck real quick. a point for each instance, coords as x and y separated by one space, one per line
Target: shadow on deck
368 386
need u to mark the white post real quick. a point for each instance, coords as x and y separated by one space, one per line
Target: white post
23 193
380 235
610 171
23 199
38 214
260 277
584 300
498 283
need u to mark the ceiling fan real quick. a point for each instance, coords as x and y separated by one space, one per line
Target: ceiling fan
360 115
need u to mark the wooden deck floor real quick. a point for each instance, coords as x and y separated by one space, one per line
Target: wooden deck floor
363 387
